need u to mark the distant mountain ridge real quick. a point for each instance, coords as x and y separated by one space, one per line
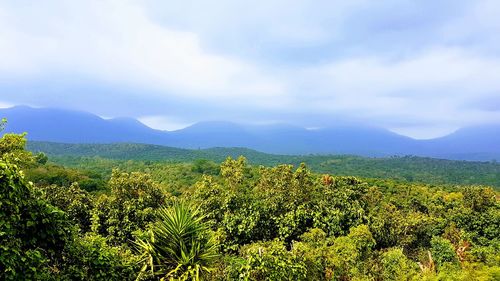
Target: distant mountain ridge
66 126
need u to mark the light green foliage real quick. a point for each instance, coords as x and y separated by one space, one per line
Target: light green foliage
284 203
314 258
233 171
41 158
271 261
393 226
275 206
489 255
77 203
212 198
443 252
315 248
314 236
12 149
130 206
180 247
285 188
396 266
349 252
136 186
340 205
478 198
285 194
478 214
93 259
344 258
363 240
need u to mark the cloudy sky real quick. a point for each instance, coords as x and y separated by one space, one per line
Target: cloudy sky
420 68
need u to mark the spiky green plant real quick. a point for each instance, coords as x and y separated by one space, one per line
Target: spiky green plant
180 245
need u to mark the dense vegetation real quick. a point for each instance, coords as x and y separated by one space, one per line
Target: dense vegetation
234 221
408 168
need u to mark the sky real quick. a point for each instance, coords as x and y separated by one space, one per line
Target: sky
419 68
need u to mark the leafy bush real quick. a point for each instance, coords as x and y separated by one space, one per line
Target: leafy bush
443 252
271 261
180 245
32 233
396 266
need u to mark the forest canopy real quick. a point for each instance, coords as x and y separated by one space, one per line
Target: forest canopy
235 221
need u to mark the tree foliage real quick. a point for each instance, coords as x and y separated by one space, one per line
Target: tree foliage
102 219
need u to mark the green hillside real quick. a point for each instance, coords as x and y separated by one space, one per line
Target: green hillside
409 168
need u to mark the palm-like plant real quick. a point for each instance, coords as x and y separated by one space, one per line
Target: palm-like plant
180 246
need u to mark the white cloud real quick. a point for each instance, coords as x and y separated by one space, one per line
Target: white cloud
424 132
433 86
164 122
218 58
115 41
5 104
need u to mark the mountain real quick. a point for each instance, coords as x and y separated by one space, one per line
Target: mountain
484 138
66 126
287 139
212 134
61 125
480 142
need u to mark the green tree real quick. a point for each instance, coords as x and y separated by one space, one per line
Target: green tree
443 252
37 240
233 171
41 158
3 122
396 266
12 149
130 207
77 203
348 253
479 198
32 233
271 261
91 258
206 167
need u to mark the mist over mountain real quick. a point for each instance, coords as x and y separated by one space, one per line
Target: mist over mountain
480 142
66 126
61 125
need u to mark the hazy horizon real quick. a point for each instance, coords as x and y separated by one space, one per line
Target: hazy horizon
181 127
418 68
